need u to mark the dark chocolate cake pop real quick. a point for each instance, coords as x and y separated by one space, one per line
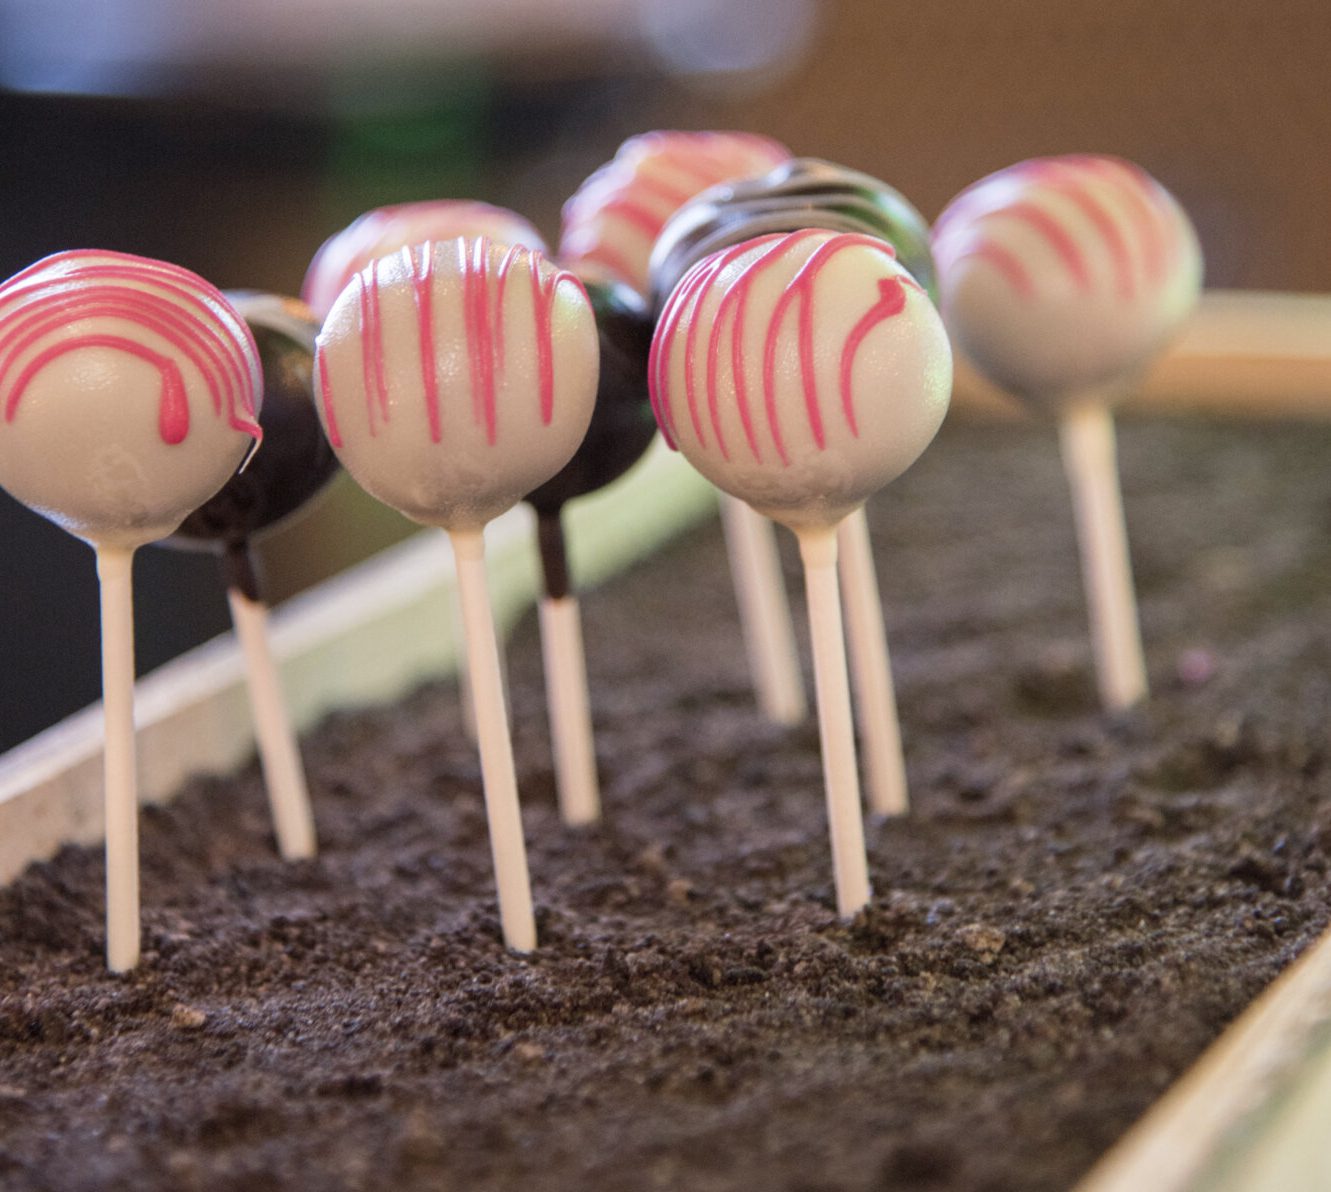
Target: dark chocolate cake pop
804 192
622 423
295 461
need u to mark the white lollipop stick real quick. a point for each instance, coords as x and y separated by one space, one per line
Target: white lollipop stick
871 669
764 613
570 710
1061 278
131 396
114 572
465 696
841 783
279 752
454 379
1086 432
501 789
803 394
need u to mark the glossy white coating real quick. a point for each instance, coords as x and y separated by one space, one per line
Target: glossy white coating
455 377
1059 275
801 372
129 393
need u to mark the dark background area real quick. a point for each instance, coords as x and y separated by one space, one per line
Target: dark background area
237 153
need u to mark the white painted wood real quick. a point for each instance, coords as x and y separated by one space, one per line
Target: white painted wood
1238 1082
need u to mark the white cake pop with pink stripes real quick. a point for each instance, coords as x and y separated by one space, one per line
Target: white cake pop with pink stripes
128 393
1060 275
386 229
800 372
456 377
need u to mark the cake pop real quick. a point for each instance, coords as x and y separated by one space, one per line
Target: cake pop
387 229
621 428
1060 278
296 464
801 373
454 379
612 221
810 193
129 389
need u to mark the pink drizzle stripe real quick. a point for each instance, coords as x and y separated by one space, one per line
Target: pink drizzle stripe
164 300
734 301
386 230
422 288
45 315
375 335
1001 259
658 359
1055 234
480 340
367 356
326 396
1069 180
506 263
1137 193
891 302
656 188
690 347
629 188
543 293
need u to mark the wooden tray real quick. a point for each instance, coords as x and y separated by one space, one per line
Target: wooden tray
1250 1115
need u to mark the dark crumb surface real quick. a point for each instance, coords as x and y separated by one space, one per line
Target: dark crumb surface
1072 911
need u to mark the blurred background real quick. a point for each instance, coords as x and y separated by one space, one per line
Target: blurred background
234 138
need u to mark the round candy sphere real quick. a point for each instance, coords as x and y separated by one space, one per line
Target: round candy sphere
622 425
296 461
801 372
129 389
613 219
457 377
803 192
386 229
1060 274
